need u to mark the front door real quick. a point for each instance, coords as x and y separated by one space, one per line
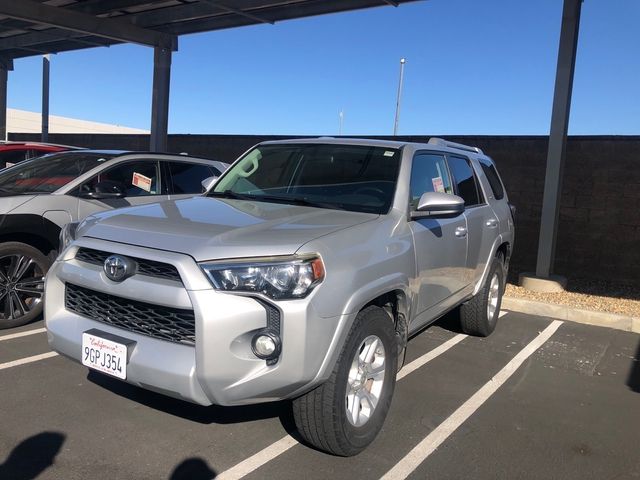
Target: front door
139 179
440 243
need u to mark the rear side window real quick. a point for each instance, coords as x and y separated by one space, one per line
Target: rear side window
11 157
490 171
465 180
429 174
188 177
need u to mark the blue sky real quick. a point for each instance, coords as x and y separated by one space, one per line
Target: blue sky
473 67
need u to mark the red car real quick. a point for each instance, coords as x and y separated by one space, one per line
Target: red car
16 152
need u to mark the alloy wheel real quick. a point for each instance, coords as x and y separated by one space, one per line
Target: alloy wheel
21 285
365 381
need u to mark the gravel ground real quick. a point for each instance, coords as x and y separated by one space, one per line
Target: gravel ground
588 294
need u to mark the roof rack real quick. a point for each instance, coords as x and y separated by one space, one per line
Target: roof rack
460 146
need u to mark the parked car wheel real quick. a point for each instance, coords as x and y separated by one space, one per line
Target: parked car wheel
22 271
343 415
479 316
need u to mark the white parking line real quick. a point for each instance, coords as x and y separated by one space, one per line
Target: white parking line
427 357
22 361
269 453
426 447
22 334
256 461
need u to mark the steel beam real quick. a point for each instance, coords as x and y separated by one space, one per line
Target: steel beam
112 28
45 98
5 66
558 137
237 11
160 99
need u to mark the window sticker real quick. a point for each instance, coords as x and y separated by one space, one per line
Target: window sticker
141 181
438 186
389 153
9 164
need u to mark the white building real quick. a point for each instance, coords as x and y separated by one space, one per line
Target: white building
22 121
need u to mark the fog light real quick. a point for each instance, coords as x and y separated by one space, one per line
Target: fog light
266 345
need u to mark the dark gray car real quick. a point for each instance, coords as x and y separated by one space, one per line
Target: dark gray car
300 275
38 197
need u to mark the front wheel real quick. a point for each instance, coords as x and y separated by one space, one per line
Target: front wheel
344 415
22 271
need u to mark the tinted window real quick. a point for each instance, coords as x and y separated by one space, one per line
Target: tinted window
349 177
135 179
429 174
465 180
48 173
188 177
11 157
490 171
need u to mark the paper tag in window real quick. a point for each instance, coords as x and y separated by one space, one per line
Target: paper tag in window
389 153
141 181
9 164
438 186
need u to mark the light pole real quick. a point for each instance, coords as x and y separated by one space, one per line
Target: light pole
341 117
395 125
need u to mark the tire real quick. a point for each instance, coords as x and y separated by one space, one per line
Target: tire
476 316
323 416
22 271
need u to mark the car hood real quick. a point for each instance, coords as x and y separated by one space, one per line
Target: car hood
212 228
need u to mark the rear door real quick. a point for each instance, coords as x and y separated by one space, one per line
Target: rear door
440 243
184 179
482 222
139 179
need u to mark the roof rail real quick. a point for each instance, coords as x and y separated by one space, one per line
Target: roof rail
445 143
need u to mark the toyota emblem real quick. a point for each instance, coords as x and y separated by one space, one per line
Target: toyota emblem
117 268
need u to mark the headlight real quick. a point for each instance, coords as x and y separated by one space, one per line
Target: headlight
68 235
278 278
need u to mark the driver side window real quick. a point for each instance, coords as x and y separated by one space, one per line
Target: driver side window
429 173
135 179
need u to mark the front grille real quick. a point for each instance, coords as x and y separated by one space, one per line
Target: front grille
150 268
172 324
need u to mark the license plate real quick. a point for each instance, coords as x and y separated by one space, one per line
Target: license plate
104 355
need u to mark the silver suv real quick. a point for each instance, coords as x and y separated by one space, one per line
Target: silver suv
300 275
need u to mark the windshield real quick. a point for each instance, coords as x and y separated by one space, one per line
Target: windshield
47 174
346 177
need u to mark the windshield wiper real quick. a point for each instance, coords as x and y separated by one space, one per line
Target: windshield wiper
230 194
302 201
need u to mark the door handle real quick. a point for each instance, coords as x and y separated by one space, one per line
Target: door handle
461 232
491 223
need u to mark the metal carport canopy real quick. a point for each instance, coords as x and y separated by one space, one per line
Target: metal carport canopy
30 27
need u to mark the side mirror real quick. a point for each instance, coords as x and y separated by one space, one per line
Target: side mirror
207 183
437 204
105 190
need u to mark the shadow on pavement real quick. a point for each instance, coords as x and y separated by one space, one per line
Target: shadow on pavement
32 456
451 321
194 468
190 411
634 374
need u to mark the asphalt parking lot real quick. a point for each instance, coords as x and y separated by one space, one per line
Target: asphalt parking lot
537 399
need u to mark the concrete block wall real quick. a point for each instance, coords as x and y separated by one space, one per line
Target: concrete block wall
599 232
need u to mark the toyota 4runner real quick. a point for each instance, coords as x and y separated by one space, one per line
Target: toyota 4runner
299 275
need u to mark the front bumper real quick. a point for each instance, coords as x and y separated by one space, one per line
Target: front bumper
221 367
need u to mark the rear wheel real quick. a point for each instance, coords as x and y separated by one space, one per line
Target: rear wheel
22 271
344 415
479 316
